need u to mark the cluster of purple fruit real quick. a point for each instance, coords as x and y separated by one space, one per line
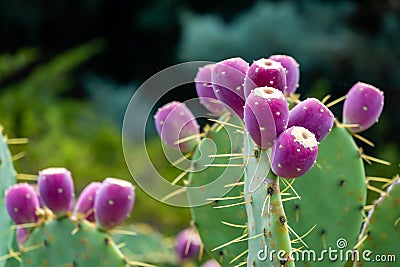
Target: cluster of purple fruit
106 204
258 95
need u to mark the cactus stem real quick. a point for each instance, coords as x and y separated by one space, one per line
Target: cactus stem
239 256
225 198
234 225
334 102
233 205
363 139
17 141
227 124
27 177
174 193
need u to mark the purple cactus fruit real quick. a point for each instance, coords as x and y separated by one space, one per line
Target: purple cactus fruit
266 115
205 90
174 121
56 189
84 207
187 244
113 203
265 72
22 203
22 235
363 106
314 116
227 78
292 72
294 152
211 263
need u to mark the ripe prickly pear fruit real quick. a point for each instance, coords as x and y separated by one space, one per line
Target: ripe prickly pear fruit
363 106
211 263
22 203
294 152
56 189
22 235
266 115
113 203
292 72
187 244
314 116
205 90
265 72
227 79
84 207
174 121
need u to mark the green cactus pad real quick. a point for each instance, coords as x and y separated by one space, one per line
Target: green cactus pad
333 195
381 232
7 178
67 243
208 219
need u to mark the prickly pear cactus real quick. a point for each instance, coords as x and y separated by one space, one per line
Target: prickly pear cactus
222 220
7 178
381 231
304 181
333 196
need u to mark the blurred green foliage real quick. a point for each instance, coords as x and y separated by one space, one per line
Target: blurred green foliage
70 132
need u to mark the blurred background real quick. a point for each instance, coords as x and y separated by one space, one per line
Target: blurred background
69 68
